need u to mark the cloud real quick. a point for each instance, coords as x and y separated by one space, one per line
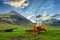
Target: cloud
29 17
33 21
24 5
16 3
59 12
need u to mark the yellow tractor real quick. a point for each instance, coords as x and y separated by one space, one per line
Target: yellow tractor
38 26
36 29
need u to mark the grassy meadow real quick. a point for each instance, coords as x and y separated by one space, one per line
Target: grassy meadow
52 33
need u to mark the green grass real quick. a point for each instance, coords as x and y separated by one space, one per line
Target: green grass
52 33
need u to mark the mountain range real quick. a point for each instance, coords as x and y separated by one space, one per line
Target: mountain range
14 18
52 21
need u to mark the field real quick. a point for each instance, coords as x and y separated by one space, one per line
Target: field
52 33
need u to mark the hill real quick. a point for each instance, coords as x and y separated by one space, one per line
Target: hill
13 17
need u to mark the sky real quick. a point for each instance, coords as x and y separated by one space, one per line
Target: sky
30 8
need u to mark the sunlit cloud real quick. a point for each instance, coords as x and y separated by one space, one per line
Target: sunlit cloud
33 21
24 5
29 17
17 3
59 12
